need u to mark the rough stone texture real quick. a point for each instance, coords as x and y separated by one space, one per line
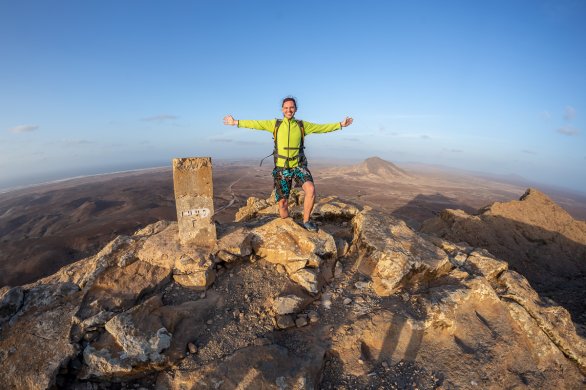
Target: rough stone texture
288 304
256 367
484 264
10 302
283 241
332 208
234 245
35 343
466 332
306 278
191 266
391 251
553 320
194 197
253 207
535 236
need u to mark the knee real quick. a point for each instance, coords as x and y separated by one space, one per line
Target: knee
309 190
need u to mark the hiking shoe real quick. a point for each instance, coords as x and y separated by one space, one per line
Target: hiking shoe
312 227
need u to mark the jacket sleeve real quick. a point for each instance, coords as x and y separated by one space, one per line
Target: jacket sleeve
315 128
267 125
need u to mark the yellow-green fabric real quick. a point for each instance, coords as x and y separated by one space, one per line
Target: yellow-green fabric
289 135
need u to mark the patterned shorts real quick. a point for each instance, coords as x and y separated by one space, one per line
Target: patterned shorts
285 177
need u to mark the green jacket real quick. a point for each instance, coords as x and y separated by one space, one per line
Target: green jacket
289 135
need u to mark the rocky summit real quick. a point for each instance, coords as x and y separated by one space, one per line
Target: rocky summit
535 236
366 302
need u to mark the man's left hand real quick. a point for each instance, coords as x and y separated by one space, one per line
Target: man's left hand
346 122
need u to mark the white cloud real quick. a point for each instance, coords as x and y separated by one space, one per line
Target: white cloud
24 128
528 151
160 118
569 113
568 130
425 136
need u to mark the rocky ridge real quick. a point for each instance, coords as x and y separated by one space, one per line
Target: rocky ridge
537 238
364 303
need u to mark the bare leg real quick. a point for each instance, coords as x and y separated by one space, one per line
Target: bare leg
283 208
309 199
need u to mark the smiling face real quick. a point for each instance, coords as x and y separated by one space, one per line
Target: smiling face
289 109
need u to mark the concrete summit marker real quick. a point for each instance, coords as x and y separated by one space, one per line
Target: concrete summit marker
194 200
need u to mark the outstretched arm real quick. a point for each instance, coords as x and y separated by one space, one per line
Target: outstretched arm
346 122
230 121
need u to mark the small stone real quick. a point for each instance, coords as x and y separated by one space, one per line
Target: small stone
202 295
313 317
281 269
338 270
300 321
192 348
209 322
361 285
287 304
360 361
326 300
385 364
347 301
359 300
261 341
405 297
284 322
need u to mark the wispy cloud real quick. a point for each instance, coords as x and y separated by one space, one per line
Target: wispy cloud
569 113
453 150
545 115
160 118
528 151
425 136
24 128
234 141
77 142
221 139
568 130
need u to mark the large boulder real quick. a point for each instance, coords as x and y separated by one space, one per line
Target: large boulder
284 242
191 266
390 252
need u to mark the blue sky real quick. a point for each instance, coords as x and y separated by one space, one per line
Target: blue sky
95 86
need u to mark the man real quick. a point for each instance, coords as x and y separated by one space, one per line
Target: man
290 162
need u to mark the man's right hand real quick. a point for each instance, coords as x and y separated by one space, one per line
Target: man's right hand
230 121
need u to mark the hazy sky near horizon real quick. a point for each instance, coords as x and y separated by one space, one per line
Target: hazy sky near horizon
495 86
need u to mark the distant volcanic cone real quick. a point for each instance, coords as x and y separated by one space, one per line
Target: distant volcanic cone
379 167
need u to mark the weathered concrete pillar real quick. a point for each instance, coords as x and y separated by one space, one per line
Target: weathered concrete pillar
194 200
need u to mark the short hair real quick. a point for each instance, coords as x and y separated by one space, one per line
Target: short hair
289 99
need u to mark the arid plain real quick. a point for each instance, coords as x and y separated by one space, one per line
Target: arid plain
45 227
